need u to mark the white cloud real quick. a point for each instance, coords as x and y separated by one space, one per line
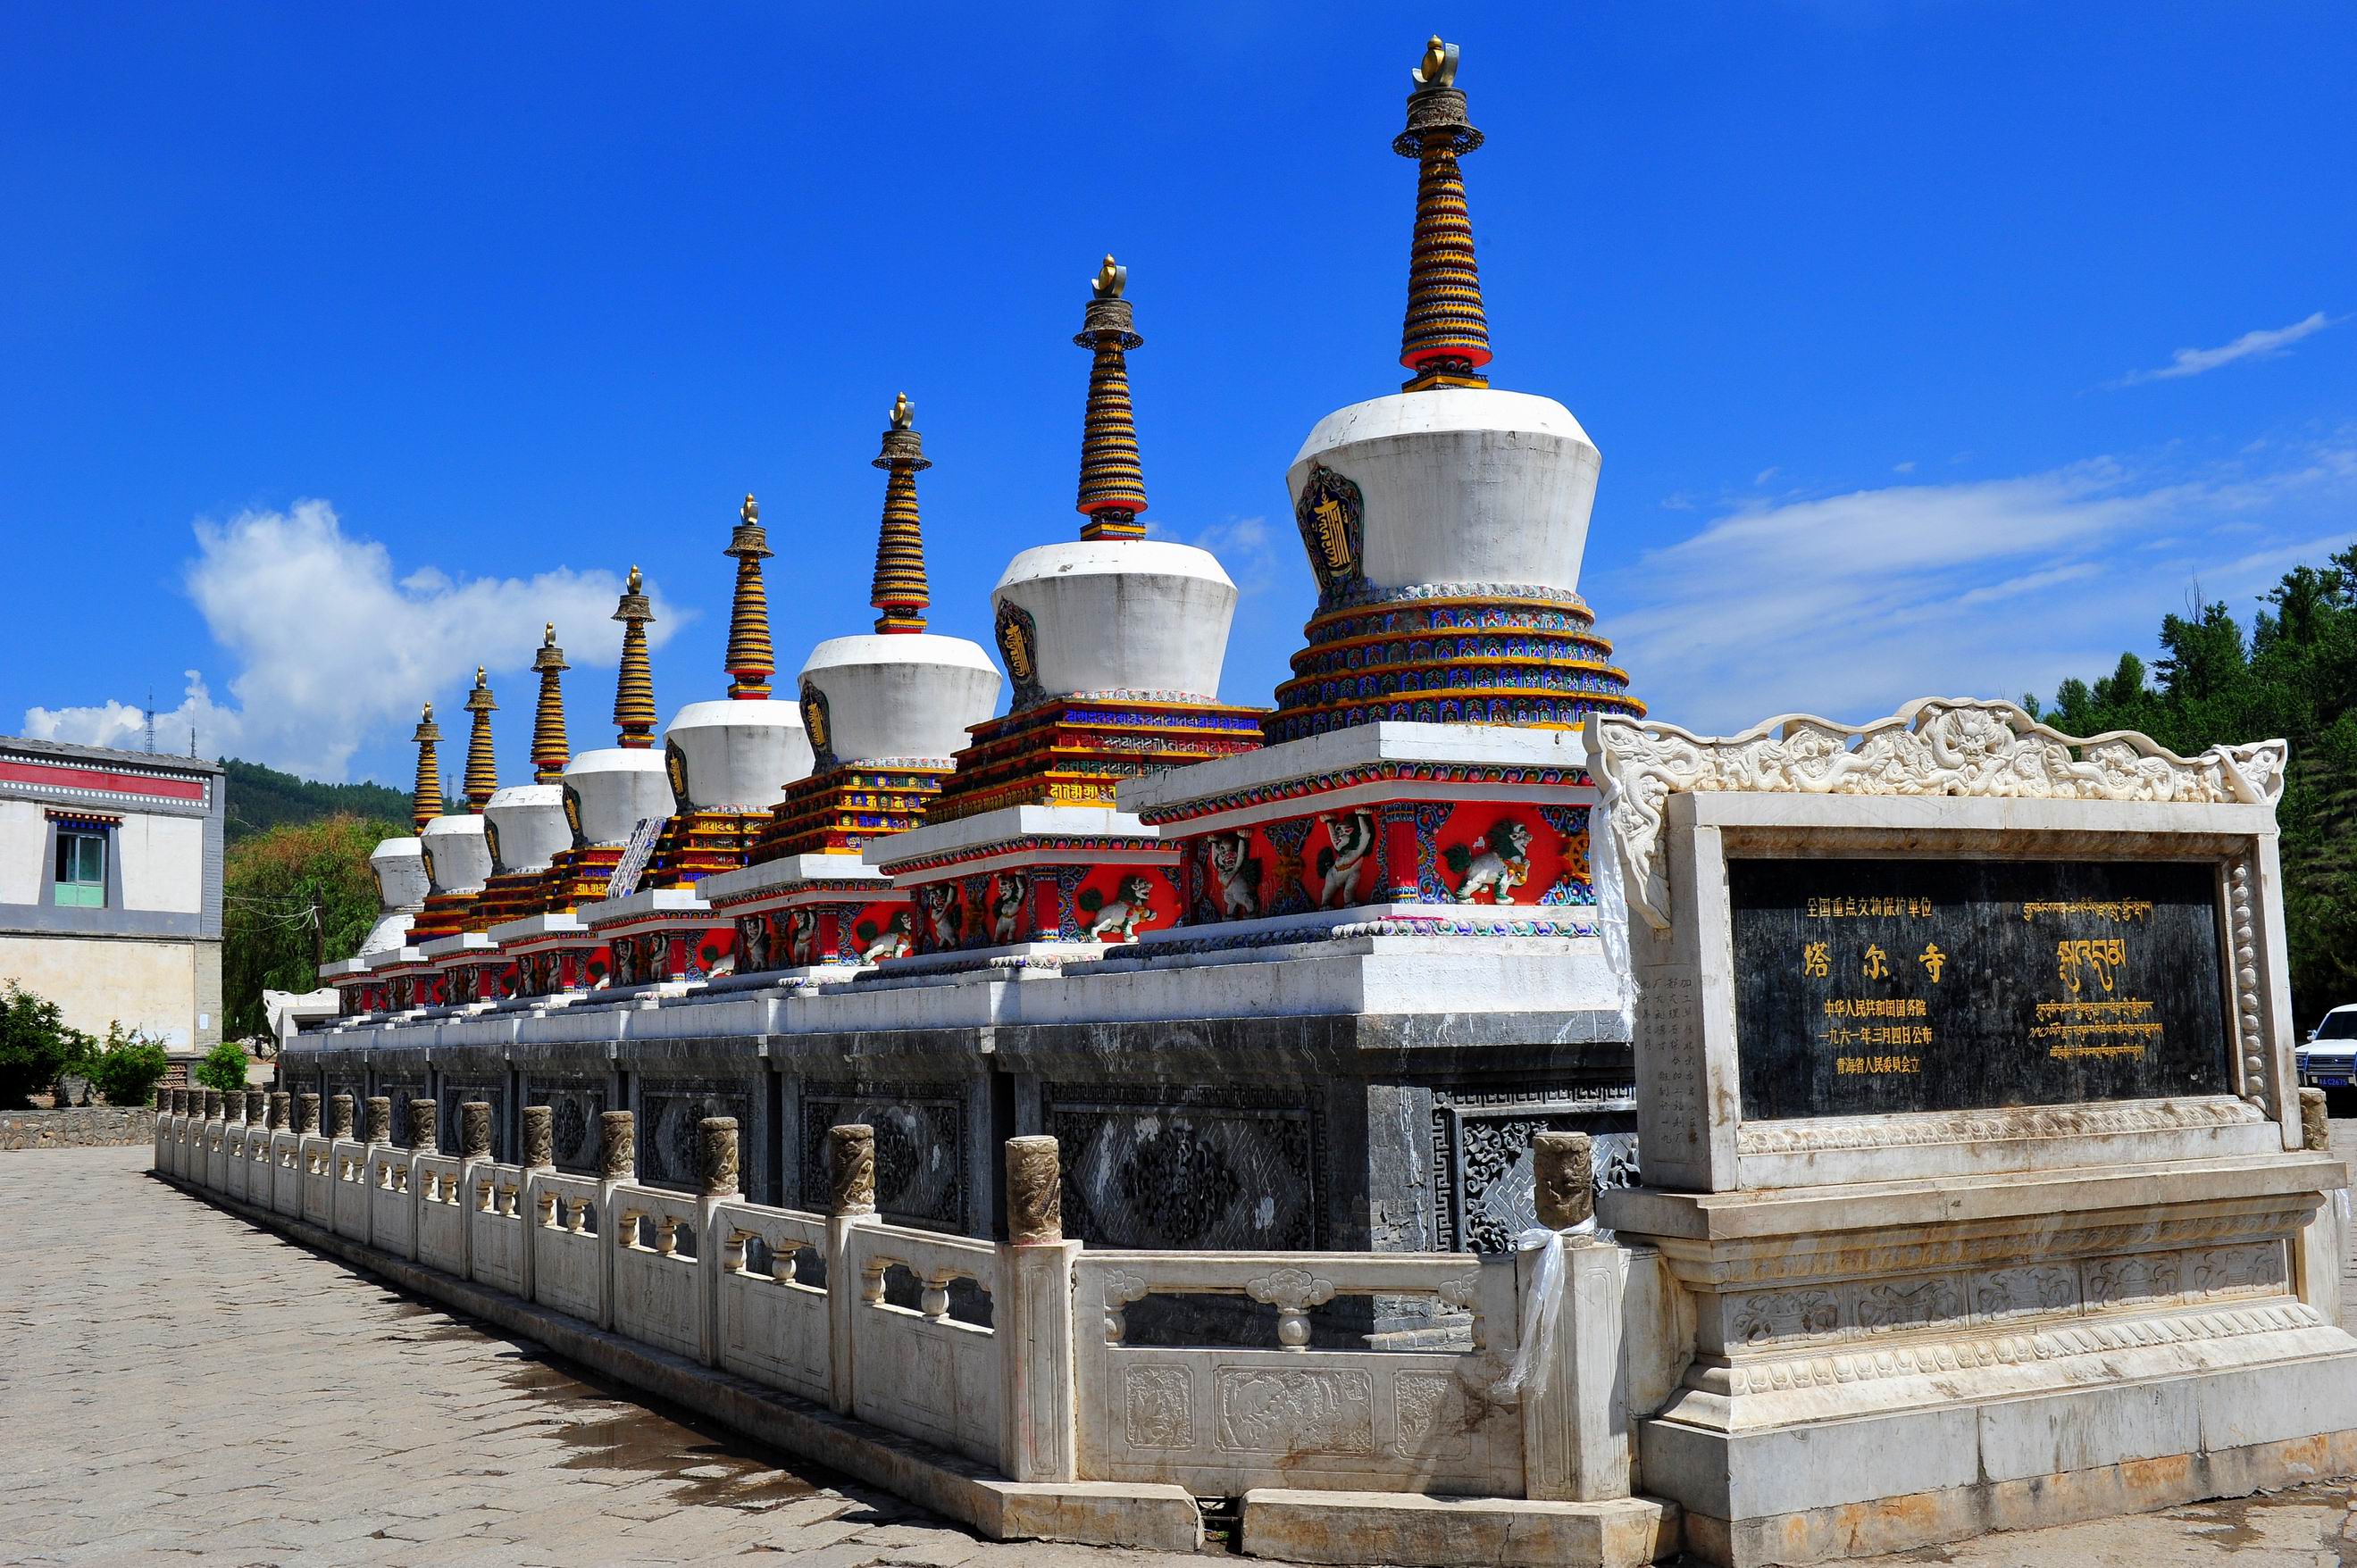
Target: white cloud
1850 605
334 653
1906 468
1244 546
193 725
2250 345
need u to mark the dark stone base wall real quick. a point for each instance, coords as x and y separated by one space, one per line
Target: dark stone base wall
1349 1134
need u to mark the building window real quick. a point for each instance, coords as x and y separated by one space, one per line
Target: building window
82 870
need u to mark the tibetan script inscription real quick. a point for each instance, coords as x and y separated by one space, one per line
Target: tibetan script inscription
1867 986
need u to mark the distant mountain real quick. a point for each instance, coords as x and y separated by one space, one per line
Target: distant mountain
262 797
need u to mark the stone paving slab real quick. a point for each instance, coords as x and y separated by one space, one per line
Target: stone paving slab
164 1405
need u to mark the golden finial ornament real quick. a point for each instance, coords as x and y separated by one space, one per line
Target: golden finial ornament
1111 279
1439 67
904 412
751 511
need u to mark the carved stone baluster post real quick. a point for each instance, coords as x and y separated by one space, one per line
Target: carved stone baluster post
473 1152
307 1115
618 1157
280 1101
851 1172
1577 1437
257 1106
1033 1315
339 1117
2315 1132
215 1127
540 1137
539 1210
1564 1179
718 1252
380 1119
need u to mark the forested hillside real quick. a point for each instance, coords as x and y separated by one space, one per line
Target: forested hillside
263 797
2294 676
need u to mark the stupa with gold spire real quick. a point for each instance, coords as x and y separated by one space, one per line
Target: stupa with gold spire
732 758
458 852
729 761
1113 642
1424 773
884 710
398 865
525 823
615 799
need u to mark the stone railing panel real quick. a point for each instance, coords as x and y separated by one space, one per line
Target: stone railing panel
349 1165
286 1173
497 1233
774 1326
441 1218
920 1372
660 1294
568 1255
392 1209
315 1156
1220 1421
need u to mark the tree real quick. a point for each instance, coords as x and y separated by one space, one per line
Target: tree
292 899
128 1067
36 1045
224 1068
2293 676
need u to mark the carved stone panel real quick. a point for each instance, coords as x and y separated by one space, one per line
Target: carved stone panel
1313 1411
1481 1165
1236 1169
454 1093
574 1110
1158 1408
921 1141
670 1150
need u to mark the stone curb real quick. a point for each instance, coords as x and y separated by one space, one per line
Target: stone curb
1088 1513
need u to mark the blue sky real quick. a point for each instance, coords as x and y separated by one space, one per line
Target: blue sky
1931 348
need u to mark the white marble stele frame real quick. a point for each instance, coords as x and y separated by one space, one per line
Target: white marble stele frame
1917 1327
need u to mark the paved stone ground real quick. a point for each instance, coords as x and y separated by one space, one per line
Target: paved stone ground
179 1412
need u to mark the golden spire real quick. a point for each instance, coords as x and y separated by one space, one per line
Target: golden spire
482 766
1113 484
634 683
899 592
752 660
426 795
1445 339
550 750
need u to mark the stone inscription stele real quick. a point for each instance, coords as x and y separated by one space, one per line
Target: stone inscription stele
1874 986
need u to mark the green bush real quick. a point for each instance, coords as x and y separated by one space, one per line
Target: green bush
224 1068
128 1067
36 1045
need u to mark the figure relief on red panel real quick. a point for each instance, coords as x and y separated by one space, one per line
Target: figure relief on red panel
1230 875
1010 897
1347 855
1498 861
1118 917
884 931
